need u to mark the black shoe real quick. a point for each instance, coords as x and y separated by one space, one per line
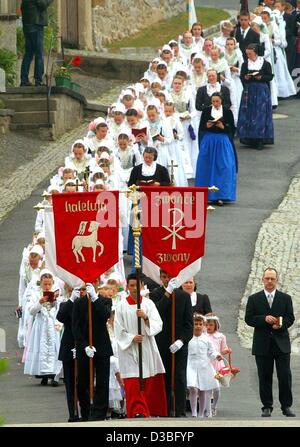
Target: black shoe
26 84
115 415
139 415
40 84
54 383
84 417
266 413
74 419
288 413
260 146
44 381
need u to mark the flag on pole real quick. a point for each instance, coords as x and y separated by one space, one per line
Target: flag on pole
192 13
82 235
173 235
244 6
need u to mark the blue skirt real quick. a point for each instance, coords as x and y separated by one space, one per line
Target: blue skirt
216 165
255 115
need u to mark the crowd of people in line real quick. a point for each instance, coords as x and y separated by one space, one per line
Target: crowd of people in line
184 111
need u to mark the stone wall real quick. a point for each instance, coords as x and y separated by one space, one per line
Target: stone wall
8 33
116 19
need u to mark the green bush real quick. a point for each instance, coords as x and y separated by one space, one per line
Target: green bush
20 42
8 62
2 104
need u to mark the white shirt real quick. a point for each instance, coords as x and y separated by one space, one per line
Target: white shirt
270 295
213 88
147 170
257 64
194 298
217 113
244 32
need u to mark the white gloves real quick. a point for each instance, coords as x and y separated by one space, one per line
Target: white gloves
173 284
91 292
74 353
90 352
176 346
145 292
75 294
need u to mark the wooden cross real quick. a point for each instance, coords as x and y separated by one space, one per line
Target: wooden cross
172 166
77 185
87 176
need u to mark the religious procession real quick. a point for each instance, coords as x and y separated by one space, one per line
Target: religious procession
108 305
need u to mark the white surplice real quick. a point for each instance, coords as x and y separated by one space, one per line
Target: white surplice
125 327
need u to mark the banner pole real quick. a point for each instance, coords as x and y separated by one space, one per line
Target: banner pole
134 195
75 386
91 359
173 412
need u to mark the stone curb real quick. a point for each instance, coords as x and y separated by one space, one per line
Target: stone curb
277 245
179 423
33 173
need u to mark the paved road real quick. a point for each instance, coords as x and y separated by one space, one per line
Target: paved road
264 178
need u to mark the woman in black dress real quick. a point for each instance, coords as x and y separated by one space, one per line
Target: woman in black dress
255 123
200 303
149 172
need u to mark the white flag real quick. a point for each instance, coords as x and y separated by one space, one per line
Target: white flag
192 13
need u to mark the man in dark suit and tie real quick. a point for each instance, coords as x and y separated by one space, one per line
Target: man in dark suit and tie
270 312
67 352
100 352
244 34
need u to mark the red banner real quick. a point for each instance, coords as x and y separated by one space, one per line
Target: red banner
174 224
86 232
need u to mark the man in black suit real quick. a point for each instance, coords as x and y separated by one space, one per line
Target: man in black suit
203 98
67 351
162 297
271 341
100 352
244 34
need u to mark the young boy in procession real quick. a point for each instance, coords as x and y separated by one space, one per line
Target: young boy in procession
152 400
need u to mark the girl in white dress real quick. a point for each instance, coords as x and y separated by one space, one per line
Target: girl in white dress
187 47
267 52
116 385
226 28
44 342
234 58
200 372
161 133
196 31
283 78
79 160
176 149
185 106
219 342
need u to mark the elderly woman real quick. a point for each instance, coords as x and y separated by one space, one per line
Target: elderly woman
200 303
217 161
255 123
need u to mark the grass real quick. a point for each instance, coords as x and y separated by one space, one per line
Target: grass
162 32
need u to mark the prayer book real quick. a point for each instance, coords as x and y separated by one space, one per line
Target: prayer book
137 132
51 296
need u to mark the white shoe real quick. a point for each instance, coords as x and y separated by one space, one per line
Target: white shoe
214 412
